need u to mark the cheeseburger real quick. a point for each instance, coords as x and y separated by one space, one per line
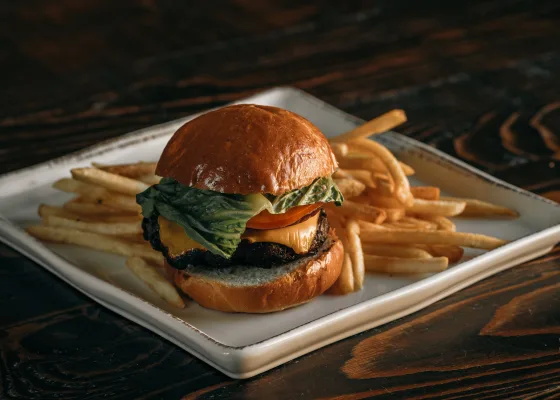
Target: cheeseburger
238 213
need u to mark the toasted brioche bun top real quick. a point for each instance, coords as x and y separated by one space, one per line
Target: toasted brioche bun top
245 149
250 289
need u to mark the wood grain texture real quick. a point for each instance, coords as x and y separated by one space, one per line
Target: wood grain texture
479 80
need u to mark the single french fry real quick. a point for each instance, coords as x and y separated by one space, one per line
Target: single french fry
402 187
400 225
380 124
384 185
389 250
452 252
383 201
425 192
394 214
345 282
446 208
340 150
368 163
366 227
104 228
361 175
356 254
98 194
149 179
407 169
362 211
396 265
109 181
430 237
151 277
421 224
443 223
479 208
130 170
45 210
107 244
350 187
82 207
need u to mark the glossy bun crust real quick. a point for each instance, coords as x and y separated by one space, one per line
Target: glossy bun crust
309 279
247 149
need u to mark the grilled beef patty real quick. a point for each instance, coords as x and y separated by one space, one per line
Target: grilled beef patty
262 254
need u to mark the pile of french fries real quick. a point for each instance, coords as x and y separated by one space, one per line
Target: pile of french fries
104 216
387 226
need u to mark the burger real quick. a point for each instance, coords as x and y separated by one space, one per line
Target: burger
238 214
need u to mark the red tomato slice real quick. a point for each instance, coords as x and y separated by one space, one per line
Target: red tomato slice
266 220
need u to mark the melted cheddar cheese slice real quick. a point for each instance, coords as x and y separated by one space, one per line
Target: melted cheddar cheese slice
173 237
298 237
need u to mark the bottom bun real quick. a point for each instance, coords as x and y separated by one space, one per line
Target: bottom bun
251 289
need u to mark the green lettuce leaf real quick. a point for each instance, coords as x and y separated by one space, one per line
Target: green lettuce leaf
217 220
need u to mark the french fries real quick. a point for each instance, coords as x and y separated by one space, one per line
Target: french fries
94 241
402 187
151 277
98 194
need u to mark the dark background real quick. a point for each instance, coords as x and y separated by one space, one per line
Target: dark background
74 73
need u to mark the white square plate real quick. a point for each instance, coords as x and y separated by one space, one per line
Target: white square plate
242 345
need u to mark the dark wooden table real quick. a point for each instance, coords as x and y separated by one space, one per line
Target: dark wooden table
471 76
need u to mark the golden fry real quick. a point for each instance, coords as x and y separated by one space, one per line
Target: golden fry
82 207
130 170
345 282
437 207
361 175
45 210
356 255
380 124
104 228
479 208
395 265
425 192
350 187
431 237
151 277
109 181
443 224
362 211
389 250
420 224
452 252
149 179
340 150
